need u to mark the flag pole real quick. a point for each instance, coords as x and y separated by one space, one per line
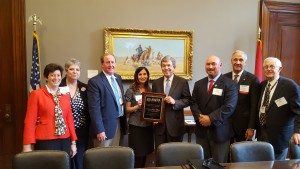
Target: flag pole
35 77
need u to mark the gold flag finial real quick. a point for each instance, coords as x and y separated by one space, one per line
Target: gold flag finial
259 32
34 19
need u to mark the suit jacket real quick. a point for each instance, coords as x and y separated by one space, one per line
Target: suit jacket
41 104
282 120
245 113
83 93
103 106
174 116
219 108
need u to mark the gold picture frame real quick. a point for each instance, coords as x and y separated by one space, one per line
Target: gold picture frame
139 47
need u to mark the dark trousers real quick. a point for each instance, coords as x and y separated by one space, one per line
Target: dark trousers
56 144
263 136
215 150
82 145
139 161
165 138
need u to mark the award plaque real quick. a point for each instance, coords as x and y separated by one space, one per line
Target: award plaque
153 107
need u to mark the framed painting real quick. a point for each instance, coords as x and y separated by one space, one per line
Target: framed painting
138 47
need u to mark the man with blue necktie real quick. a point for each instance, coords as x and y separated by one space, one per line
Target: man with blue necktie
106 104
178 97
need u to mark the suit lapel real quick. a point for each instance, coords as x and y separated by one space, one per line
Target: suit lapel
205 84
263 87
44 89
161 85
107 85
277 92
173 85
217 84
243 78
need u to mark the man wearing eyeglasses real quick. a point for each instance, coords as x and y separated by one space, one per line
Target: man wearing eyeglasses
279 109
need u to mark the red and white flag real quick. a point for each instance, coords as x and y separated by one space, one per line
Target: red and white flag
259 61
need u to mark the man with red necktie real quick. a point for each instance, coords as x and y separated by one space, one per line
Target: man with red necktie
212 110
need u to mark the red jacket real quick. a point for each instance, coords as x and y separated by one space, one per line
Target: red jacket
41 104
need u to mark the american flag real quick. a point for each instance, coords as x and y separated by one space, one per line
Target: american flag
35 76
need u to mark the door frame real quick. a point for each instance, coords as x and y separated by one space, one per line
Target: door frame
19 70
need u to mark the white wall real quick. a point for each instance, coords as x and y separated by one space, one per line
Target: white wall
74 28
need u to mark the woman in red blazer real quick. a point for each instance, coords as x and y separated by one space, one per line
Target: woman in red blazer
49 123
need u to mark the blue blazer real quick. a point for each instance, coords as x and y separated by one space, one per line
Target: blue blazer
218 108
283 121
103 106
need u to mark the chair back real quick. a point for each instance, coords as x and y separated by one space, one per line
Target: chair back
108 157
178 153
250 151
41 159
294 149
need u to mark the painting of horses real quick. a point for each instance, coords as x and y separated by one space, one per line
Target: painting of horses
137 47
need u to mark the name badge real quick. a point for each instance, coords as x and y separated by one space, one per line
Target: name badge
262 109
217 92
244 89
64 90
280 102
138 97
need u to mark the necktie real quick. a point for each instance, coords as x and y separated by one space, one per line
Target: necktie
236 78
211 83
117 95
262 117
167 88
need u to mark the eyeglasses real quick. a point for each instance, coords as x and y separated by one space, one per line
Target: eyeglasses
272 67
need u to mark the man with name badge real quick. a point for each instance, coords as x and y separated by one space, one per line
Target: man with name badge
279 109
214 101
244 117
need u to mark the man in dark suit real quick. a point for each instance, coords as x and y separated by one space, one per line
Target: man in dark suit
244 117
279 109
214 101
105 101
178 97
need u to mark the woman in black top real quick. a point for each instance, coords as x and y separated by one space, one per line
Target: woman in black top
78 93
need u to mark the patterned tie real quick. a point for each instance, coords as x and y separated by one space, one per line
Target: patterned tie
117 95
211 83
167 89
262 117
236 78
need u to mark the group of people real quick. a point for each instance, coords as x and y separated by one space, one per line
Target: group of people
71 116
57 115
230 107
